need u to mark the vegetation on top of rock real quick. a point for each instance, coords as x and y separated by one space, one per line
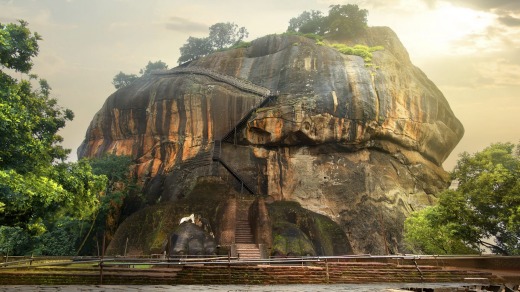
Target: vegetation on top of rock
221 36
482 212
358 50
341 21
153 66
122 79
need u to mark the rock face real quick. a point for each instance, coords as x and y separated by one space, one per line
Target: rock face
362 145
189 238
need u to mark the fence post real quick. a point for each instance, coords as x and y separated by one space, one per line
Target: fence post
101 261
327 269
126 245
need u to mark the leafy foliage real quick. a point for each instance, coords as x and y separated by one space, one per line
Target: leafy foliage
62 238
18 46
29 121
342 20
484 209
346 20
221 36
194 48
152 66
13 240
122 79
120 198
424 234
358 50
308 22
36 186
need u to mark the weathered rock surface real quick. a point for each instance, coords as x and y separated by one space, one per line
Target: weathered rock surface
189 238
300 232
363 145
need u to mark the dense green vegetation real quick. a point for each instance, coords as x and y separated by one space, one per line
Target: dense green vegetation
484 211
46 204
341 21
362 51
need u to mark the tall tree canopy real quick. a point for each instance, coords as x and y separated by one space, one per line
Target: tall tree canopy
484 211
221 35
29 119
122 79
308 22
36 186
342 20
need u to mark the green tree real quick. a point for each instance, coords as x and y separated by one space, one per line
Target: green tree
14 240
18 46
221 36
341 20
36 186
424 235
194 48
29 120
119 189
346 20
308 22
484 210
122 79
152 66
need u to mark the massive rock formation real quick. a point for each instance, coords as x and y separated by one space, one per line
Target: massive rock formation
362 145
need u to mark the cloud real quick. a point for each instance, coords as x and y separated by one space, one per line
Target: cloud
185 25
488 5
478 71
509 20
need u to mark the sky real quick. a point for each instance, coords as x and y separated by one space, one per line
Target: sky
469 48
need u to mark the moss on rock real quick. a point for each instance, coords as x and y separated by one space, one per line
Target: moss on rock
325 236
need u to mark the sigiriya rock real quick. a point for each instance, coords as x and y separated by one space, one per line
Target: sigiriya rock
339 150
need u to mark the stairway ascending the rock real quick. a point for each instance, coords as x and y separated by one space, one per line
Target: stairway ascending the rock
246 247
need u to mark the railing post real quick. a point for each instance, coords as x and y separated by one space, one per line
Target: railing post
101 261
327 270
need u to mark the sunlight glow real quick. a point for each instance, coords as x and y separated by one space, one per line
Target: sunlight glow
442 29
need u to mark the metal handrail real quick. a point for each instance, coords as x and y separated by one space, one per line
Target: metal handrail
211 259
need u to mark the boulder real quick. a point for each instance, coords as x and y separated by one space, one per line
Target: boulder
362 144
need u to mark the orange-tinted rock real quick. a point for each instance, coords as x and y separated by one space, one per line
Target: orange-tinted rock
360 144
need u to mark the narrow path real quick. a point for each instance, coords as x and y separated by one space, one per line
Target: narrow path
242 84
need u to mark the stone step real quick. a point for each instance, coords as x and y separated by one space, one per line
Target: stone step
247 246
248 250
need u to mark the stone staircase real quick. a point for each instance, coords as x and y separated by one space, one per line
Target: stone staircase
246 247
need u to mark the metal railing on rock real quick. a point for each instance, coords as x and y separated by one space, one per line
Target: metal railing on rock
242 84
